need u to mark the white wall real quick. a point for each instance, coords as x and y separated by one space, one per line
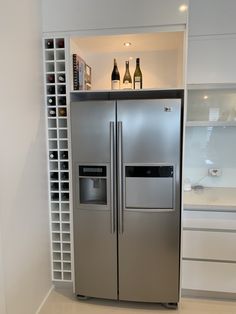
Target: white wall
25 252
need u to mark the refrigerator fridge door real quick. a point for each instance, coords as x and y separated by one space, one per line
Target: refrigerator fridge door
93 155
149 137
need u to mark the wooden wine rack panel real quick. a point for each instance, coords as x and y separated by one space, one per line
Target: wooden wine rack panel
56 106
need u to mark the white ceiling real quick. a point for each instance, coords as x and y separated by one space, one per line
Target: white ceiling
140 42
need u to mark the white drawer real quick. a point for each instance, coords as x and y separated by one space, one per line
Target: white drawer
209 220
209 245
209 276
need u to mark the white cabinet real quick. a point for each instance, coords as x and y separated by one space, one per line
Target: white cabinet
74 15
209 253
209 276
208 17
212 42
211 60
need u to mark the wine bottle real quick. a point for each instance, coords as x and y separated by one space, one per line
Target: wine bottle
63 155
60 43
127 80
53 155
50 78
50 89
49 44
51 101
64 165
52 112
61 89
62 112
61 101
115 77
138 78
61 78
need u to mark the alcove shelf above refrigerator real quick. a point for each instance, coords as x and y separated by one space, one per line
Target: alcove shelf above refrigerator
161 58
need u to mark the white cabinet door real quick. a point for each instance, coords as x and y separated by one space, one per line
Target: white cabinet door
72 15
210 245
209 276
212 17
212 60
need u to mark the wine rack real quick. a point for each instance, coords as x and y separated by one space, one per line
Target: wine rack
56 107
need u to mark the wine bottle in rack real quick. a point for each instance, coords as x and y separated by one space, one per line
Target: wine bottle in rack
61 101
127 80
61 78
51 90
51 101
60 43
49 44
115 77
64 165
53 155
61 89
50 78
63 155
52 112
62 112
138 77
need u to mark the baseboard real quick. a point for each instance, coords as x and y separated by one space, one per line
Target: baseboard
205 294
44 300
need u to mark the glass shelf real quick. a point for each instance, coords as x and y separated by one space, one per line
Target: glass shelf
211 107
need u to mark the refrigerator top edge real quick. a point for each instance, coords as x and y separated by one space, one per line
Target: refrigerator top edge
127 95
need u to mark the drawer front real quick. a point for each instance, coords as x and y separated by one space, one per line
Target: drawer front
209 220
209 245
209 276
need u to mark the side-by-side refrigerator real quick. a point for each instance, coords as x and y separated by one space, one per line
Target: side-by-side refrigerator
126 156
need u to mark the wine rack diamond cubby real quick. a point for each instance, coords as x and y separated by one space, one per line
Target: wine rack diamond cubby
57 111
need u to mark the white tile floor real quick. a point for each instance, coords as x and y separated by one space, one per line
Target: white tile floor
62 301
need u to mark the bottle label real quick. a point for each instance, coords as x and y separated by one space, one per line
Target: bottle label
137 82
115 84
127 85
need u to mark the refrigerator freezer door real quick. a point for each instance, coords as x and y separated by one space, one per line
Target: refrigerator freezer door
149 240
95 240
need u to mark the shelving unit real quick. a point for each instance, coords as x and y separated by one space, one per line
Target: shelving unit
209 216
162 59
56 102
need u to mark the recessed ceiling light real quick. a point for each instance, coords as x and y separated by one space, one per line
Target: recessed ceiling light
205 97
183 8
127 44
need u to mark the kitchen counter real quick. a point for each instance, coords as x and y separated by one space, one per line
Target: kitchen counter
223 199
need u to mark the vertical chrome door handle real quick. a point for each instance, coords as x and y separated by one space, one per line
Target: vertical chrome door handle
112 177
120 178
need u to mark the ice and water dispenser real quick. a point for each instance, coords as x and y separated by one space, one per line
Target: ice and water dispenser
92 185
145 187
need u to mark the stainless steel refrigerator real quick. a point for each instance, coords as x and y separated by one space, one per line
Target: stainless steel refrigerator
126 156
